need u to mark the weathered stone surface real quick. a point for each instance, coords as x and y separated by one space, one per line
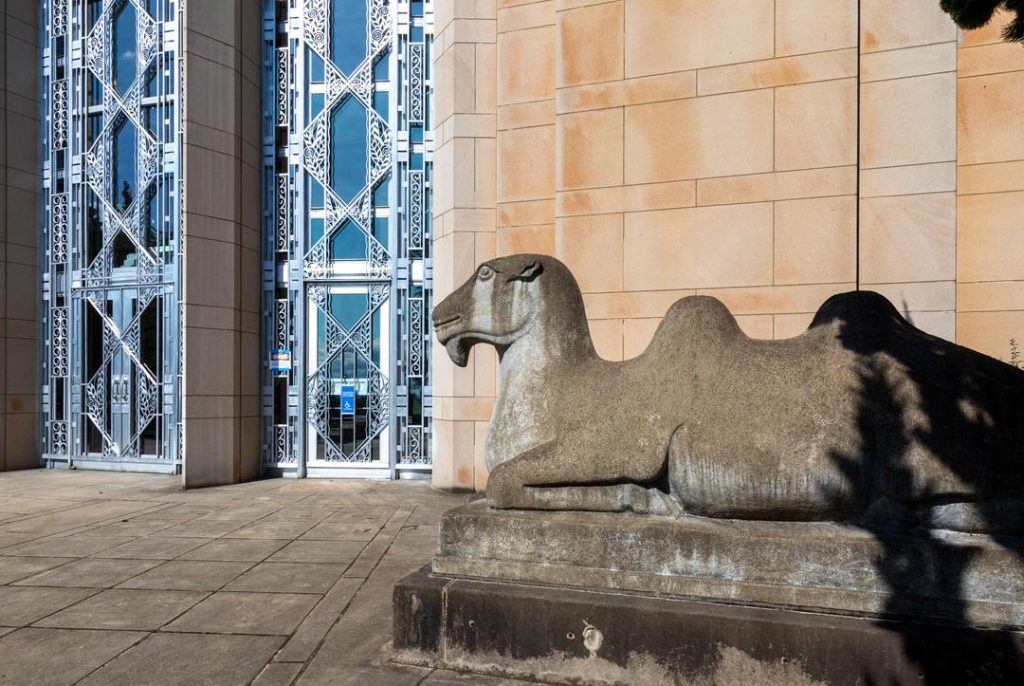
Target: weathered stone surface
958 577
565 635
861 418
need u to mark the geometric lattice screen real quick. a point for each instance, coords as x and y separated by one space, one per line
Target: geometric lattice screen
347 251
111 190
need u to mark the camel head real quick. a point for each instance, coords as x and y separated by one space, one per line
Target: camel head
497 305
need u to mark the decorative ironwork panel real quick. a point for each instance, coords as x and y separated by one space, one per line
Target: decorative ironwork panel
112 187
348 173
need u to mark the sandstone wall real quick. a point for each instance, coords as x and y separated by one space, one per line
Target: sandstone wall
769 155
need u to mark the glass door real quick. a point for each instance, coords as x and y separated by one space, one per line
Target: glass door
348 394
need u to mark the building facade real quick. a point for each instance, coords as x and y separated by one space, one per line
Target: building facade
235 232
225 222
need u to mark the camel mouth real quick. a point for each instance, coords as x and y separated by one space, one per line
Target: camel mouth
451 319
457 347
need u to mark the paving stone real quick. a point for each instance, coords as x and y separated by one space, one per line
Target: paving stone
189 575
447 678
14 568
314 627
123 608
22 605
202 528
369 557
76 517
131 527
287 577
278 674
41 657
242 514
280 529
90 573
68 546
153 548
166 659
312 515
319 551
383 674
236 550
332 637
247 613
7 540
342 531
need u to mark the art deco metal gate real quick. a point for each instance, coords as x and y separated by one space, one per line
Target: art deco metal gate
111 190
347 263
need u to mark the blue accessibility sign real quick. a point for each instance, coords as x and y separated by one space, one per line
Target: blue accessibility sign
348 399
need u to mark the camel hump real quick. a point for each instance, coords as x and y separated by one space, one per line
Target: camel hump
696 316
858 307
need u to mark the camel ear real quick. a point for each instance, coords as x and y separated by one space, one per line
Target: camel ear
530 272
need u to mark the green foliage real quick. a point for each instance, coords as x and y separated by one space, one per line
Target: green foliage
1015 358
973 14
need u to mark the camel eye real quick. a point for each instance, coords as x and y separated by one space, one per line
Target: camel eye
485 273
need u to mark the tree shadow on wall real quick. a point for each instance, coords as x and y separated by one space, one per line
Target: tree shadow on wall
925 408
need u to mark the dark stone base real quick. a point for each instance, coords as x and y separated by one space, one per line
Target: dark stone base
570 635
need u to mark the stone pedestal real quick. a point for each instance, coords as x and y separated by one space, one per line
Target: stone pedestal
607 598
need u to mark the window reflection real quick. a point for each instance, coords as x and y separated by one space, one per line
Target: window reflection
125 57
348 149
348 33
123 163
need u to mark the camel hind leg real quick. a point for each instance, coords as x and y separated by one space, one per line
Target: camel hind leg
537 480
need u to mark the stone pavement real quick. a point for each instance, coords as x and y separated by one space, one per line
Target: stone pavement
110 578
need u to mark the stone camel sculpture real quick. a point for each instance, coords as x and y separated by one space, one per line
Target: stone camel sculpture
862 418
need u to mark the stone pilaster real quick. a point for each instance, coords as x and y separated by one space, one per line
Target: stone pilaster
221 234
464 224
19 234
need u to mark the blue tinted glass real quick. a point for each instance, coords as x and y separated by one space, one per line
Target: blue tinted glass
380 230
95 90
152 82
348 33
316 67
348 243
316 103
416 160
316 193
380 104
316 230
380 193
348 149
416 134
349 308
416 8
416 34
124 46
380 68
123 164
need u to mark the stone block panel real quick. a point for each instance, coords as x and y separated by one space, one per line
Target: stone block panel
589 149
592 247
590 44
700 247
719 135
909 121
988 237
691 35
802 27
908 238
526 65
987 105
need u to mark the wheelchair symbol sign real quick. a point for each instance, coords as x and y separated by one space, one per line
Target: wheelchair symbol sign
348 399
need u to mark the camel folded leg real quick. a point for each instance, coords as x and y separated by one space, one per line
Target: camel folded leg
533 481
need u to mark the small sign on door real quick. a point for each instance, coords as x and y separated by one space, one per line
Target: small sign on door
348 399
280 360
